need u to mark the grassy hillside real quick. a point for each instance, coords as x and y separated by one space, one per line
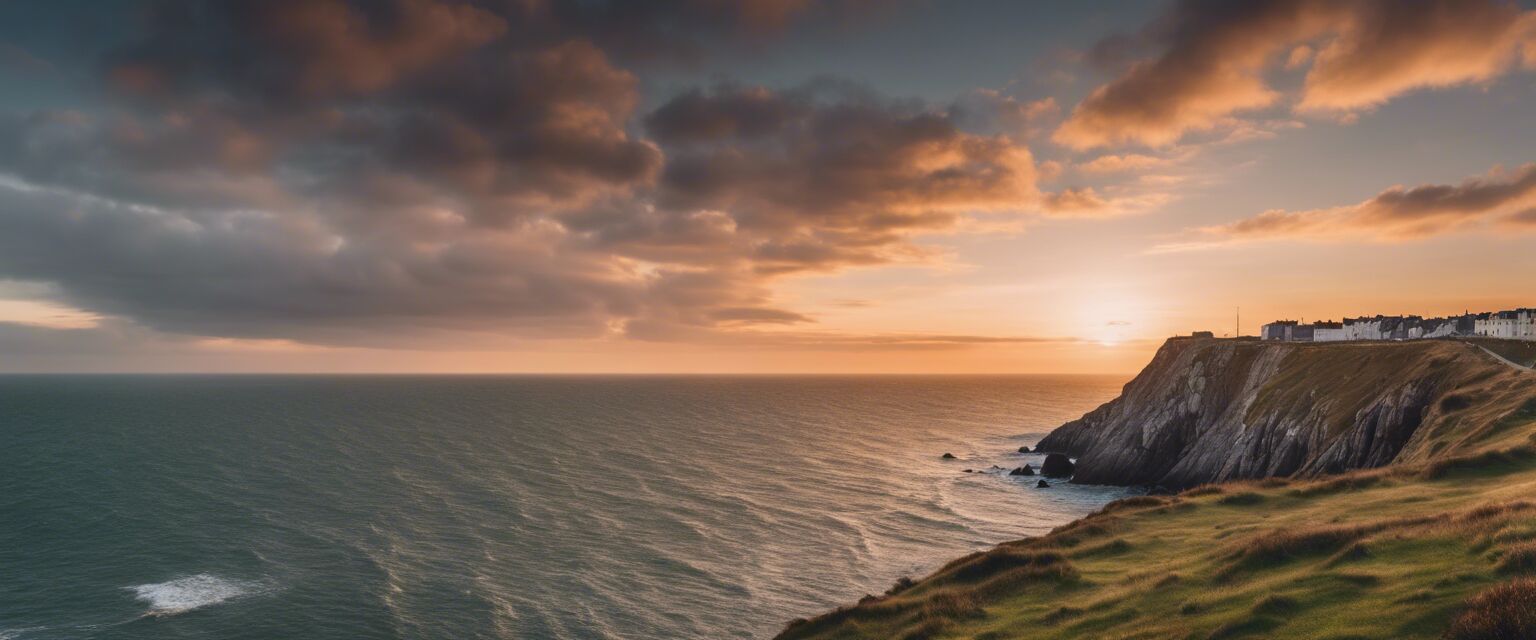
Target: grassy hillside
1522 352
1438 546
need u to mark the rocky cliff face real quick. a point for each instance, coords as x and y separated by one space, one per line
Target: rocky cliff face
1215 410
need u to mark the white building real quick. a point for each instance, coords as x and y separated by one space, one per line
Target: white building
1518 324
1328 332
1363 328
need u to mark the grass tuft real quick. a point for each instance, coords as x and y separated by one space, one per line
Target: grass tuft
1134 502
1244 626
1495 461
1356 551
1503 612
1113 547
1277 546
1062 613
1243 499
1275 604
1000 560
1203 490
902 584
1345 482
950 605
1518 559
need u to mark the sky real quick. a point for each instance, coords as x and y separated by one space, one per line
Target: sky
762 186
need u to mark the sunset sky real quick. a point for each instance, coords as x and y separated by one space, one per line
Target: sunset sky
755 186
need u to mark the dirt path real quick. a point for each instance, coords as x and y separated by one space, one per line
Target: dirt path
1504 360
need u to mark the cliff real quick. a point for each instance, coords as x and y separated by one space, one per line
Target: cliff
1217 410
1437 541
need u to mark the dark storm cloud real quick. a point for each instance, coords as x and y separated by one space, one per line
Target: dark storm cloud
362 172
1214 55
857 168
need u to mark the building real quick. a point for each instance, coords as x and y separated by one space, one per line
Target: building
1278 330
1364 328
1202 334
1327 331
1516 324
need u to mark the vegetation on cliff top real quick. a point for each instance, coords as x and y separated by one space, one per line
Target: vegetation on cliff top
1443 546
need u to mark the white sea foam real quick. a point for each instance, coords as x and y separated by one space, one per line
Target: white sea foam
193 592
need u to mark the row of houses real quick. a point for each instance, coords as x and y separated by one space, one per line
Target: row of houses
1515 324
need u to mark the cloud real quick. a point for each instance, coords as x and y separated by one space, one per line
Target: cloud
826 176
1399 213
1125 163
1075 201
834 341
431 173
992 111
1214 56
1389 50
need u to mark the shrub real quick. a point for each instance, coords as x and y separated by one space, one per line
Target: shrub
902 584
1503 612
1518 559
1454 402
950 605
1000 560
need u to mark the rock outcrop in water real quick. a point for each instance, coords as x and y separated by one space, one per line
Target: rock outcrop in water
1057 465
1216 410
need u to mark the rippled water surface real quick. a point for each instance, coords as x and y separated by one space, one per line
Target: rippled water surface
502 507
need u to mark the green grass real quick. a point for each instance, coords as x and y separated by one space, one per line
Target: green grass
1403 555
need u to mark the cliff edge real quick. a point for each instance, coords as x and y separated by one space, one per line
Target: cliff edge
1431 535
1208 410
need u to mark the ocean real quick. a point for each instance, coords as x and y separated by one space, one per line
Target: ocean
651 507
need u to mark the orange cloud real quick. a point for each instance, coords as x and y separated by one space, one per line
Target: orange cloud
1075 201
1122 163
1390 51
1399 213
1215 55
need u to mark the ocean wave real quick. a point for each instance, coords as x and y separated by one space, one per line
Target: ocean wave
194 592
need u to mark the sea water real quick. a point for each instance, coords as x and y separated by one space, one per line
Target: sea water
503 506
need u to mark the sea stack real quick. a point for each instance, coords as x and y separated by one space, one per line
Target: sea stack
1057 465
